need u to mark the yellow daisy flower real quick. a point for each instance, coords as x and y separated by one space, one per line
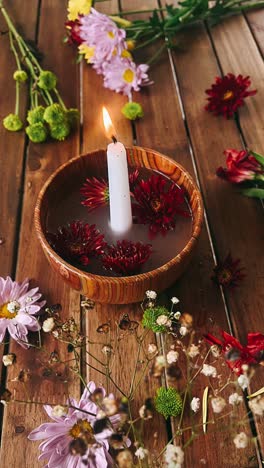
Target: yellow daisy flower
78 7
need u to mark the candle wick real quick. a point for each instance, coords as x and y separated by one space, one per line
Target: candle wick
114 139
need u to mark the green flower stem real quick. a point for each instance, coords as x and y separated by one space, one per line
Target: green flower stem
60 99
144 44
12 47
17 98
157 54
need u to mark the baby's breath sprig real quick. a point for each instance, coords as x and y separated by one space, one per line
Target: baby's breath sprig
47 117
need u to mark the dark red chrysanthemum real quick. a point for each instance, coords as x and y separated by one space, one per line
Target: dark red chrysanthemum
73 32
77 242
96 191
235 354
255 346
227 94
241 166
158 203
126 258
228 273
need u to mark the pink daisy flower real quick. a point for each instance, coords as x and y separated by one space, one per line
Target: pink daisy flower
123 75
75 427
99 31
18 307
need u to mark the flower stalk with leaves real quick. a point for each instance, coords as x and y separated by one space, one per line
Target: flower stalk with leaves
47 116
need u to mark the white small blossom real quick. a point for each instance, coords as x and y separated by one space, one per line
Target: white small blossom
218 404
243 381
58 411
183 331
195 404
13 306
175 300
107 350
48 324
235 399
177 315
244 367
160 361
101 414
151 294
257 405
144 413
55 333
193 351
162 320
141 453
215 350
8 359
174 456
209 371
172 356
152 348
241 440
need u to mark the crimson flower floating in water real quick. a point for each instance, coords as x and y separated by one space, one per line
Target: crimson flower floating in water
96 191
237 355
228 273
227 94
157 204
241 166
77 242
126 258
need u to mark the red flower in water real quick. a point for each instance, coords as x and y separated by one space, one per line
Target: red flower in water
235 354
227 273
96 191
227 94
126 258
77 242
241 166
158 203
73 32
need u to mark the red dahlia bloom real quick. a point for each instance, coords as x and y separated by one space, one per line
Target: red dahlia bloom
77 242
241 166
73 32
255 346
227 94
235 354
227 273
126 258
158 203
96 191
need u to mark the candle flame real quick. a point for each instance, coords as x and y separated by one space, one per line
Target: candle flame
108 124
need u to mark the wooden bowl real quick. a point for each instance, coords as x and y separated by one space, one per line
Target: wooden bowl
106 289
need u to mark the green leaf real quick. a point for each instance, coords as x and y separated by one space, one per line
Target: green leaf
258 157
254 193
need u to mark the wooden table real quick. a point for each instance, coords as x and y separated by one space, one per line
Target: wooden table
175 124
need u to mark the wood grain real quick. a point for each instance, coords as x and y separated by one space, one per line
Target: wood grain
44 385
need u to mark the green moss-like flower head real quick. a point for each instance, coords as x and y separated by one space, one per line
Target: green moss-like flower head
54 114
47 80
20 76
61 131
36 115
168 402
150 318
37 132
132 110
13 123
73 116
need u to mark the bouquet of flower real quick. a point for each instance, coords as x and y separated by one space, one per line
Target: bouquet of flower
108 42
205 377
47 115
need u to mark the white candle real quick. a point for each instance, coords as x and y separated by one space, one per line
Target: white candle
118 180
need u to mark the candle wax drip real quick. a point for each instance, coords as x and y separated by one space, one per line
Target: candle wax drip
67 208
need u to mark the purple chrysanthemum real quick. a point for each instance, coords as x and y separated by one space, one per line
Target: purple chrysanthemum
124 76
18 307
73 428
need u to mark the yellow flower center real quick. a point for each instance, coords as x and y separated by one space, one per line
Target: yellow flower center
110 34
131 44
5 313
156 205
225 276
80 427
228 95
128 75
126 54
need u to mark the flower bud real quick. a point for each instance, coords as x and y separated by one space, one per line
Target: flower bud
47 80
36 115
37 132
60 132
20 75
13 123
132 110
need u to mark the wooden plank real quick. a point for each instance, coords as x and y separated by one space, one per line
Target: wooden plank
163 129
255 20
42 160
94 97
12 144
